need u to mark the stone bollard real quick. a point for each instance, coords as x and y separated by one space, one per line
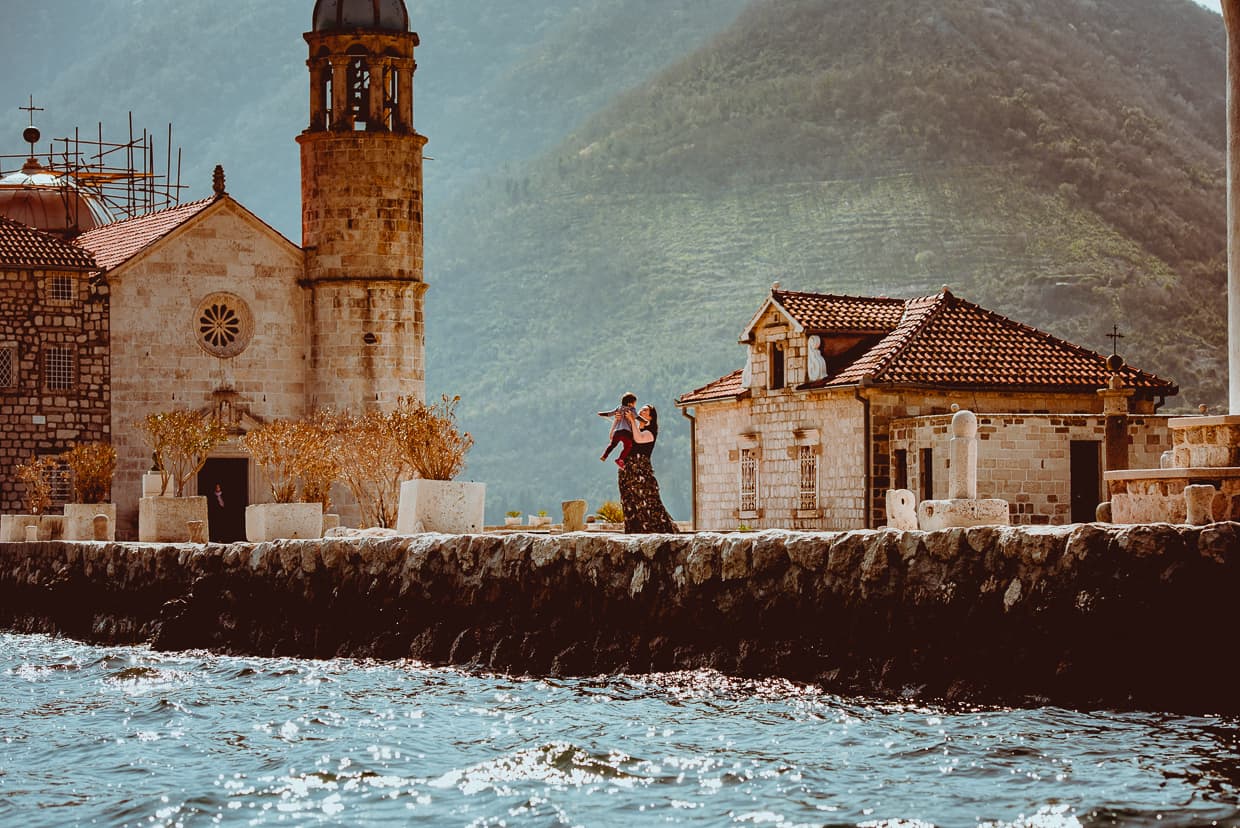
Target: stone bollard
1199 504
962 476
32 534
99 527
196 531
574 515
1102 512
901 510
1166 460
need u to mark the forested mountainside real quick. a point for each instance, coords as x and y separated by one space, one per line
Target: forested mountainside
616 183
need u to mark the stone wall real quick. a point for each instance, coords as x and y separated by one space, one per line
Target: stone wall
37 420
1022 458
158 361
1086 615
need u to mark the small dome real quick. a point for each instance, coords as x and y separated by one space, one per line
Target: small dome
50 202
354 15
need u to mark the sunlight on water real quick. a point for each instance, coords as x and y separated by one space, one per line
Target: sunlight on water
128 737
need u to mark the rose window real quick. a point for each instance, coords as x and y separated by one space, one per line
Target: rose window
224 324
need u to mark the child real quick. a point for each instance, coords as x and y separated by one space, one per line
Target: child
625 419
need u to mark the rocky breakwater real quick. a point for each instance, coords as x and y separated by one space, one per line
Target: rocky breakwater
1126 616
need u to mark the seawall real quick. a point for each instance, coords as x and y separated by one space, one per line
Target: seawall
1087 615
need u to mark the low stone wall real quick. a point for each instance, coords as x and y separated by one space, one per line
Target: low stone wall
1085 615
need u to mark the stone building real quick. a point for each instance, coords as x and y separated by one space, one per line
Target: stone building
845 397
204 306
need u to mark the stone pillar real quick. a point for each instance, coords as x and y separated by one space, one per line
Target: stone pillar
574 515
1199 504
342 119
1231 20
404 97
962 476
99 528
374 102
318 96
32 533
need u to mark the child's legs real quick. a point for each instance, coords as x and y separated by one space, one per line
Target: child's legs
626 437
617 438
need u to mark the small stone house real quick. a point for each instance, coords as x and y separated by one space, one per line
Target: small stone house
845 397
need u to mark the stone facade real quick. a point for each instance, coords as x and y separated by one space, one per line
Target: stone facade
1022 458
42 310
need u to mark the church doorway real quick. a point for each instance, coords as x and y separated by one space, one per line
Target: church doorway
225 482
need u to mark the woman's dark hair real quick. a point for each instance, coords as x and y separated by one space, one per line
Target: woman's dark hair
653 425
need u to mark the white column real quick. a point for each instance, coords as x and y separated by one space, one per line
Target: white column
962 476
1231 19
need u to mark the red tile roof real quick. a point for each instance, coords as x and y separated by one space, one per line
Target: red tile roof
22 246
943 341
114 244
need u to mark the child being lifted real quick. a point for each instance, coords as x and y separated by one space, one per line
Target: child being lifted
624 423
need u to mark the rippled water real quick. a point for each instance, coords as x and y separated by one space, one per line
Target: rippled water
119 736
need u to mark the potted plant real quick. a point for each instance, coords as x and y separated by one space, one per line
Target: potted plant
279 448
512 518
370 464
181 441
35 477
92 465
610 515
540 519
435 449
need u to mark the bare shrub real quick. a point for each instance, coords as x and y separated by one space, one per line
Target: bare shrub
276 448
372 465
181 440
428 437
93 465
34 475
319 466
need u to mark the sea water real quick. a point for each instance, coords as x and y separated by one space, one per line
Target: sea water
126 736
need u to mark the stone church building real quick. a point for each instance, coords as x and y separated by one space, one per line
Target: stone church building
845 397
204 306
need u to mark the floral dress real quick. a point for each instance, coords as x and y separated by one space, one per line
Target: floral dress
640 499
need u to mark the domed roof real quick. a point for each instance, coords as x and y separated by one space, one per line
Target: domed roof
353 15
50 202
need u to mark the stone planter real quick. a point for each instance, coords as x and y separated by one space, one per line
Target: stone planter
539 520
166 519
330 521
512 521
80 520
13 527
273 521
446 506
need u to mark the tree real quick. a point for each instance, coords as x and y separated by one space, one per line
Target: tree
181 440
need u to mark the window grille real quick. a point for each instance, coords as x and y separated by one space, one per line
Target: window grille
59 369
60 481
62 288
749 480
808 500
8 367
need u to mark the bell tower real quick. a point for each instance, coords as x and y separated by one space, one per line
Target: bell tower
361 208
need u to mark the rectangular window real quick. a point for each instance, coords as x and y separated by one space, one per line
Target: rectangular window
927 474
61 288
777 366
899 460
8 367
808 500
59 369
749 480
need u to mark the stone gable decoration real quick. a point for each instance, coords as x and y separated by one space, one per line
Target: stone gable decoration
203 306
843 398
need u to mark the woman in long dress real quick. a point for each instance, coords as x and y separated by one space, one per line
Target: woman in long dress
639 490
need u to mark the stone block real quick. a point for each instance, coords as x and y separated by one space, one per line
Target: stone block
933 515
274 521
80 520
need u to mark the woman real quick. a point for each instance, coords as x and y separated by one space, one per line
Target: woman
639 491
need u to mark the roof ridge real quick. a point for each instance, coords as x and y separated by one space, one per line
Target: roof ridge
151 215
935 307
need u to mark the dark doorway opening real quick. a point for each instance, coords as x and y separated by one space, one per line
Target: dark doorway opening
1086 480
927 474
225 504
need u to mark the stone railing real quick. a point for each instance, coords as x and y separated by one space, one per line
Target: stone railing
1127 616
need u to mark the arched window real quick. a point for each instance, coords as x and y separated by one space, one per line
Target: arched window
359 86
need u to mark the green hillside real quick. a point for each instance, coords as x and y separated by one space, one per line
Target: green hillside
1060 162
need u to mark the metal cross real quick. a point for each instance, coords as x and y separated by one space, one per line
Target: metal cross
1115 336
31 109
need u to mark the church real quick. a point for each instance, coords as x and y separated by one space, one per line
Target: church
204 306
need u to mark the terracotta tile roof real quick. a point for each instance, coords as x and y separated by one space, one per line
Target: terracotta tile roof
25 247
820 312
721 389
114 244
943 341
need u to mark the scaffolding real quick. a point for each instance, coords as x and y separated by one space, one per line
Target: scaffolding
124 177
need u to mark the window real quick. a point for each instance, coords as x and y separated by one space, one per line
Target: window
61 288
777 366
808 500
8 366
900 461
223 325
749 480
60 481
927 474
59 371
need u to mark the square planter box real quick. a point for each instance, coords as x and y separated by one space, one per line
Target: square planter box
80 520
273 521
166 519
446 506
13 527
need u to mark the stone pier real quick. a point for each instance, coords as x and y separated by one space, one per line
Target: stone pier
1084 615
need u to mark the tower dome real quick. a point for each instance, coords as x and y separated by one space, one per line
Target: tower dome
49 201
361 15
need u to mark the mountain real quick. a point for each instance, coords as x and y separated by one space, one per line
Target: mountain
616 183
1059 161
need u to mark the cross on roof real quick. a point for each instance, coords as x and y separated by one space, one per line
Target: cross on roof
31 109
1115 336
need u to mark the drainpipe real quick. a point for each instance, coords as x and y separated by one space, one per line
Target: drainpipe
866 382
692 463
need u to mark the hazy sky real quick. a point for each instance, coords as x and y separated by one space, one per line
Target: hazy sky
1210 4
